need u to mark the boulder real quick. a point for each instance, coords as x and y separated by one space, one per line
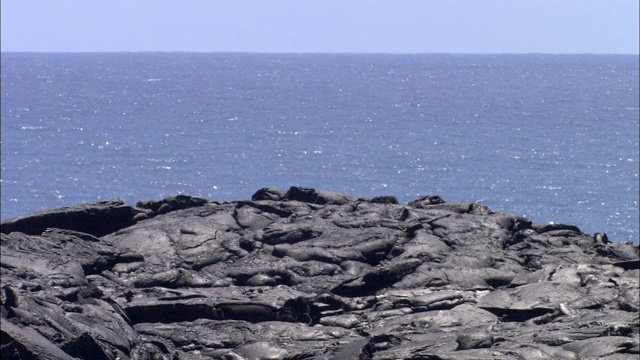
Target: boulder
96 219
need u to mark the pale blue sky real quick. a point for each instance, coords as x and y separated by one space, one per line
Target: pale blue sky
334 26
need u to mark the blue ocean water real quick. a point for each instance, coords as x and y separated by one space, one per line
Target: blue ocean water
550 137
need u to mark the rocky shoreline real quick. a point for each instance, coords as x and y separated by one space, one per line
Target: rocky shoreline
312 274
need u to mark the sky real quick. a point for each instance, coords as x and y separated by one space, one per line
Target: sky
322 26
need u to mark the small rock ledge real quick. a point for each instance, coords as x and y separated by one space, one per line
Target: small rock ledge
312 274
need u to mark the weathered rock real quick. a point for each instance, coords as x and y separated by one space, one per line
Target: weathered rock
268 194
314 196
96 219
171 203
312 274
385 200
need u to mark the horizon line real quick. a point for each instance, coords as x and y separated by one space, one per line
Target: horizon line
299 52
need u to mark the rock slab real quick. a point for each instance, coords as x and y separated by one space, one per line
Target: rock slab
312 274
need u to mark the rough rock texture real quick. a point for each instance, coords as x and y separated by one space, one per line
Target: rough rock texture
308 274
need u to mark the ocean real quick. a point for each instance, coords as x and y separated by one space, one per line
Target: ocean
550 137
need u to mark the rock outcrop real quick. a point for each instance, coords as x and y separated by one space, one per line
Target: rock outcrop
309 274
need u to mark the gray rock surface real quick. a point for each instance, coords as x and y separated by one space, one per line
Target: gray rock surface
311 274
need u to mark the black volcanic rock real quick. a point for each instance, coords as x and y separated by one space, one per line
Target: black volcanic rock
171 203
312 274
96 219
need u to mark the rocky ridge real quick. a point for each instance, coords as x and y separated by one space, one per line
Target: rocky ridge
312 274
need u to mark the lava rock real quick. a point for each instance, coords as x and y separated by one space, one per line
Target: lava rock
311 274
95 219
